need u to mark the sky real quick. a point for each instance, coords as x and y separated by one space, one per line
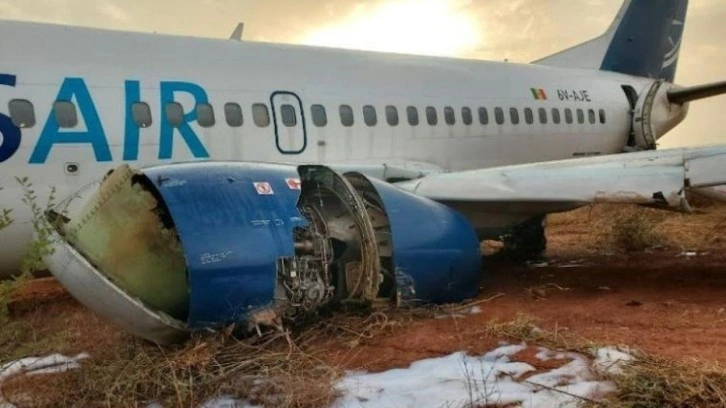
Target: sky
516 30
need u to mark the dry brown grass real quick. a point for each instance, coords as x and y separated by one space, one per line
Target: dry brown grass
656 382
648 382
278 369
617 228
634 233
273 373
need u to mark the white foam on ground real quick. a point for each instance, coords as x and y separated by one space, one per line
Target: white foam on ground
492 379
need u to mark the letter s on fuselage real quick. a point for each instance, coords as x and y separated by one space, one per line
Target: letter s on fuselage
94 135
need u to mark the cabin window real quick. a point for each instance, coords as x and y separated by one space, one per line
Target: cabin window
603 118
346 115
449 116
392 115
65 114
320 117
542 115
580 116
205 115
261 115
466 116
528 116
499 115
141 114
568 115
484 116
22 113
431 116
412 114
591 116
556 118
233 114
288 115
369 115
514 116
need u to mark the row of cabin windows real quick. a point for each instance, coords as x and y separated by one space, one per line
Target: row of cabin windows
23 115
543 116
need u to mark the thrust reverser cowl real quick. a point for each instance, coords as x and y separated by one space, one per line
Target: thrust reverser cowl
173 249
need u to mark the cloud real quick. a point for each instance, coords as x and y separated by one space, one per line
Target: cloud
113 11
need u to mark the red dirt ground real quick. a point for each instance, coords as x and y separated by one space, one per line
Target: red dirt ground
661 302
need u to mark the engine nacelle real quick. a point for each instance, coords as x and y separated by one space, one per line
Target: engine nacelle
173 249
654 115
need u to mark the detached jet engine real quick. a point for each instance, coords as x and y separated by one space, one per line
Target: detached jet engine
173 249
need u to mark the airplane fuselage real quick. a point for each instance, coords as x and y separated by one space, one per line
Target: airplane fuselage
101 98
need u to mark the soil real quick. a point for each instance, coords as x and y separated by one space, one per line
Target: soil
667 302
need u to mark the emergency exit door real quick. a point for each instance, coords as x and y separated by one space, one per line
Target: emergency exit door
289 120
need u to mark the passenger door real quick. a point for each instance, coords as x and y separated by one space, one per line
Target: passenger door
289 121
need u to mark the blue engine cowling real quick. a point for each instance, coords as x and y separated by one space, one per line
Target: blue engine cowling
221 243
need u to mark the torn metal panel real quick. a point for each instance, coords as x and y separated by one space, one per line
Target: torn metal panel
94 290
120 232
196 246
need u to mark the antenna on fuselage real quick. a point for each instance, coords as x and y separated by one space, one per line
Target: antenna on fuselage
237 33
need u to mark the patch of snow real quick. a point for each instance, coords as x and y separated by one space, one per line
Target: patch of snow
228 402
492 379
475 310
611 361
502 354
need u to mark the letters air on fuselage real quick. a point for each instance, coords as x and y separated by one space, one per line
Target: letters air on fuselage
94 135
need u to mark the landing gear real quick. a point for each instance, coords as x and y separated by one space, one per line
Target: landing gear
526 241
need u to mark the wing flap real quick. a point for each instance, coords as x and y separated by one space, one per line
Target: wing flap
657 178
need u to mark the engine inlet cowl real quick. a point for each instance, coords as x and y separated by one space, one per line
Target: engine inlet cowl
173 249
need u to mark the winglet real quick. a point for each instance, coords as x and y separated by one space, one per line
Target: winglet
237 33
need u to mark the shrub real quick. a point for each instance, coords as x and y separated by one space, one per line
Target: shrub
635 232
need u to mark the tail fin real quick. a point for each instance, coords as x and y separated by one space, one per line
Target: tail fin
644 40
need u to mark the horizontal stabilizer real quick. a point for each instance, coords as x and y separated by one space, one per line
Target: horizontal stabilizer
683 95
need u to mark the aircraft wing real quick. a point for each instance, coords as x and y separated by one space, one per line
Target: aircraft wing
655 178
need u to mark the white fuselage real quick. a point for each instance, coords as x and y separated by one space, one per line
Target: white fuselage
102 74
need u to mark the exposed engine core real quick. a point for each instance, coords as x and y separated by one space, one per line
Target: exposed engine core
179 248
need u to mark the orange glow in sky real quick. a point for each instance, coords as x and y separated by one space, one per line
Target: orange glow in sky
432 27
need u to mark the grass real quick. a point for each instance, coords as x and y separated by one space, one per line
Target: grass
273 374
17 337
635 232
290 370
657 382
648 382
607 229
279 369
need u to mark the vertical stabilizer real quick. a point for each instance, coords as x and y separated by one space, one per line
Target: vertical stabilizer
644 40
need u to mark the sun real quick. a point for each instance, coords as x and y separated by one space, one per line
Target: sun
426 27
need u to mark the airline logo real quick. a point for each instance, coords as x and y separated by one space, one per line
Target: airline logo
94 134
539 94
